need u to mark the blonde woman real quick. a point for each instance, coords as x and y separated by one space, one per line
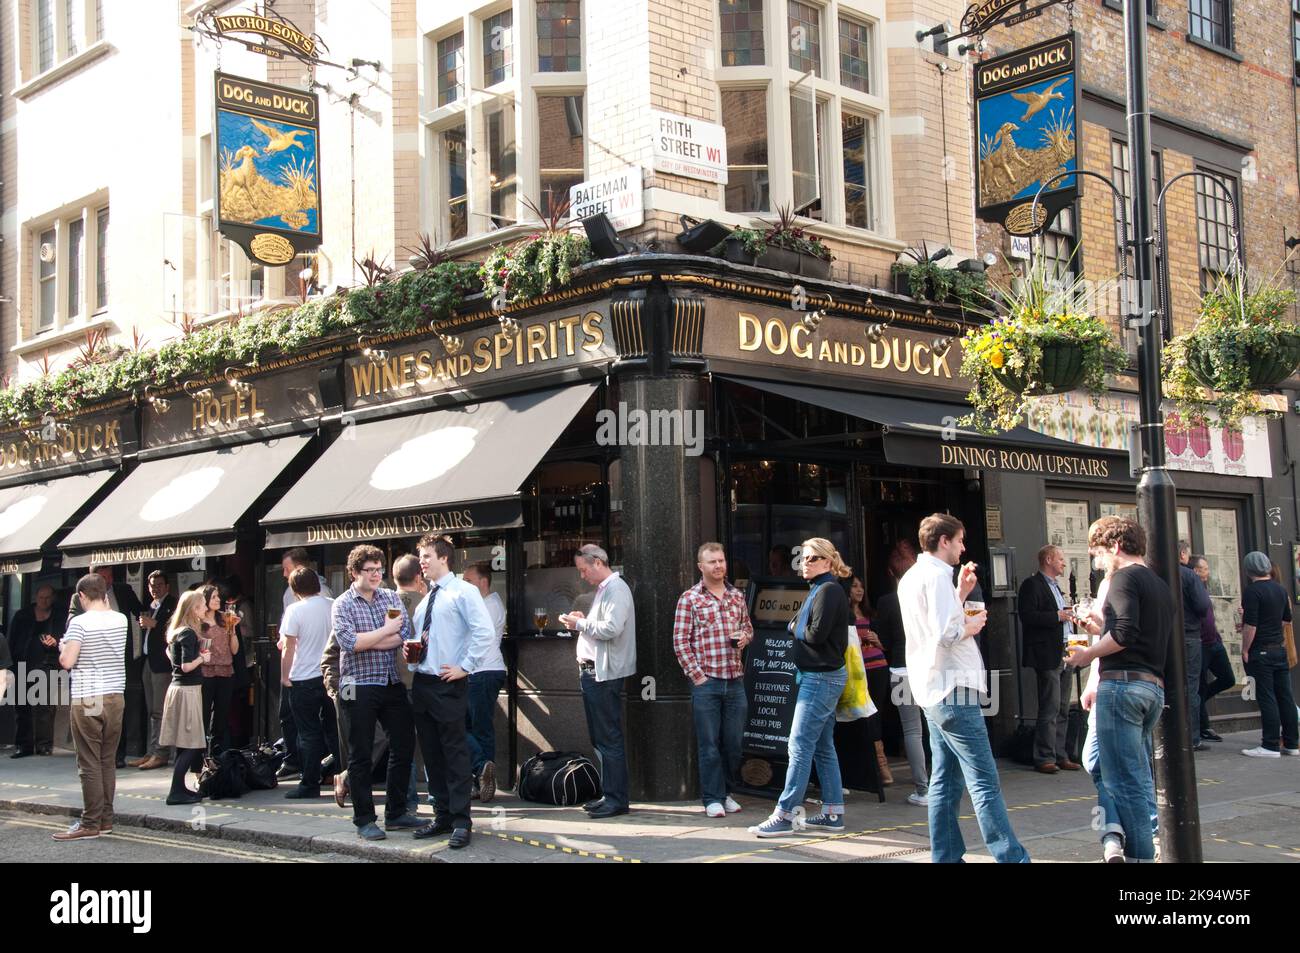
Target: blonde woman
182 719
821 634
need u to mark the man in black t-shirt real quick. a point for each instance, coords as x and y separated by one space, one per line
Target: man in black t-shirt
1265 607
1139 618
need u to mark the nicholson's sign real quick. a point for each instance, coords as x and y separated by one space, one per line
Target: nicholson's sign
459 518
1026 112
982 17
224 409
767 336
543 343
268 168
292 39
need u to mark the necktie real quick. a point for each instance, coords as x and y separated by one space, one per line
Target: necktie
428 617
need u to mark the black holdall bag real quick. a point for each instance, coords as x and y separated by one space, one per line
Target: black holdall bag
260 766
223 776
564 778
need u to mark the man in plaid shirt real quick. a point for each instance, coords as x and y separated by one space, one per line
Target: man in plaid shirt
710 629
371 690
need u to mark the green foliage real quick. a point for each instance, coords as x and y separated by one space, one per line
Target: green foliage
393 305
1238 326
1042 311
534 266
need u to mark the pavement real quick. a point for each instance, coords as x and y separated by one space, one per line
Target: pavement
1250 813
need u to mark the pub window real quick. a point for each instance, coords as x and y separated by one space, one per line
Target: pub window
559 36
69 258
1214 226
744 116
855 55
99 20
451 68
453 182
101 259
76 236
740 28
74 15
1211 21
44 34
1295 35
1120 173
858 140
498 48
559 148
807 120
501 163
1060 246
46 256
805 37
564 509
63 29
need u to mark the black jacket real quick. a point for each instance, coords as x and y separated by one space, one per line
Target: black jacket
158 661
1043 643
1196 603
25 644
827 637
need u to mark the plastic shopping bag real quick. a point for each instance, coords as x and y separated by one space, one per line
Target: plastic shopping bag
855 701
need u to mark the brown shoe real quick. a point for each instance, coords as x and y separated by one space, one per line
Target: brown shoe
1047 767
153 761
136 762
341 790
76 832
1065 764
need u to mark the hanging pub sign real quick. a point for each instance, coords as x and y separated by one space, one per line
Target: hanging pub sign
268 194
982 17
297 43
1026 112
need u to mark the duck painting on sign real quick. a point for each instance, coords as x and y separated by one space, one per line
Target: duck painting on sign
267 173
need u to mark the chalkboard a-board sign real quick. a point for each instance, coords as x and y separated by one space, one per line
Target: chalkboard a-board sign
771 689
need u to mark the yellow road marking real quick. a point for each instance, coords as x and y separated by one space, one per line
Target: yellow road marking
154 840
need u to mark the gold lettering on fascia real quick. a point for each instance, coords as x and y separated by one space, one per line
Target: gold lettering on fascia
72 443
389 527
572 336
778 337
1023 461
142 552
227 411
9 567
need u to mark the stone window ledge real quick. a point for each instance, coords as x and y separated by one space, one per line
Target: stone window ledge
69 335
69 66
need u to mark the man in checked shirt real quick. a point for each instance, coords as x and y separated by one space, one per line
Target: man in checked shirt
710 629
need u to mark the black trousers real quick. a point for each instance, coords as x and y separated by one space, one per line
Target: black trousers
387 705
440 709
218 690
34 728
1214 661
288 729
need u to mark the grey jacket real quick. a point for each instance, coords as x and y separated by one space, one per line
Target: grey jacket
612 626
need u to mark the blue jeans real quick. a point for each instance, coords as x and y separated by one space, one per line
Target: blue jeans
1092 764
483 690
603 702
719 708
812 741
1126 716
962 758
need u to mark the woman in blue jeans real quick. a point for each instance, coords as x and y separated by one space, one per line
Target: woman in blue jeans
820 633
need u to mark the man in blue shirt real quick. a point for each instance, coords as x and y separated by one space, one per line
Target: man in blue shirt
458 637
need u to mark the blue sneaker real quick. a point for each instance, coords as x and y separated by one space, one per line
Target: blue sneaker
773 827
825 822
371 831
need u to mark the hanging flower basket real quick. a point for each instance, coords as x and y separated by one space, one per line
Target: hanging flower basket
1048 343
1244 341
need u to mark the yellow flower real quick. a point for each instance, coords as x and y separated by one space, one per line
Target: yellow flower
996 358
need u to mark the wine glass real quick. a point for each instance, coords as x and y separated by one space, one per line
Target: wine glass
540 617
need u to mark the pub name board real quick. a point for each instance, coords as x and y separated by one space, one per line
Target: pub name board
924 450
547 342
52 445
274 399
459 518
150 551
775 336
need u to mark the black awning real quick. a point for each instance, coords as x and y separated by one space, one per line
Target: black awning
180 507
925 433
31 514
453 470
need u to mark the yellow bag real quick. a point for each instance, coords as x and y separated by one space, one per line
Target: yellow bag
855 701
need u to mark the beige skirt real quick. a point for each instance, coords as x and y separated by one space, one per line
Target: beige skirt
182 717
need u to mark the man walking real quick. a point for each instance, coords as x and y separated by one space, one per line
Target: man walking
368 623
1196 606
946 672
457 639
710 629
306 628
157 670
1044 619
1138 623
92 651
484 685
610 634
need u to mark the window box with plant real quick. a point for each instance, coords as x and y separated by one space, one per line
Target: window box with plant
783 246
1244 341
541 263
1049 341
924 280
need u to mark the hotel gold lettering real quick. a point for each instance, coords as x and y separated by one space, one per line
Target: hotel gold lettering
777 337
534 344
83 440
1022 461
387 527
229 410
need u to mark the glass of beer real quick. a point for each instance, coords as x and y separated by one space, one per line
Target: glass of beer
394 613
540 617
411 650
972 607
205 645
232 617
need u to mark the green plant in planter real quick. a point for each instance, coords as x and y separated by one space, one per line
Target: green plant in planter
971 290
1050 341
538 264
783 233
926 281
1244 341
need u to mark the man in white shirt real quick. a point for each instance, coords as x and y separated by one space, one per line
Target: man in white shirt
946 673
296 558
484 686
92 651
306 629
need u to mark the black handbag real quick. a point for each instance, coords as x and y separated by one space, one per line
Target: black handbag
259 768
564 778
223 777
